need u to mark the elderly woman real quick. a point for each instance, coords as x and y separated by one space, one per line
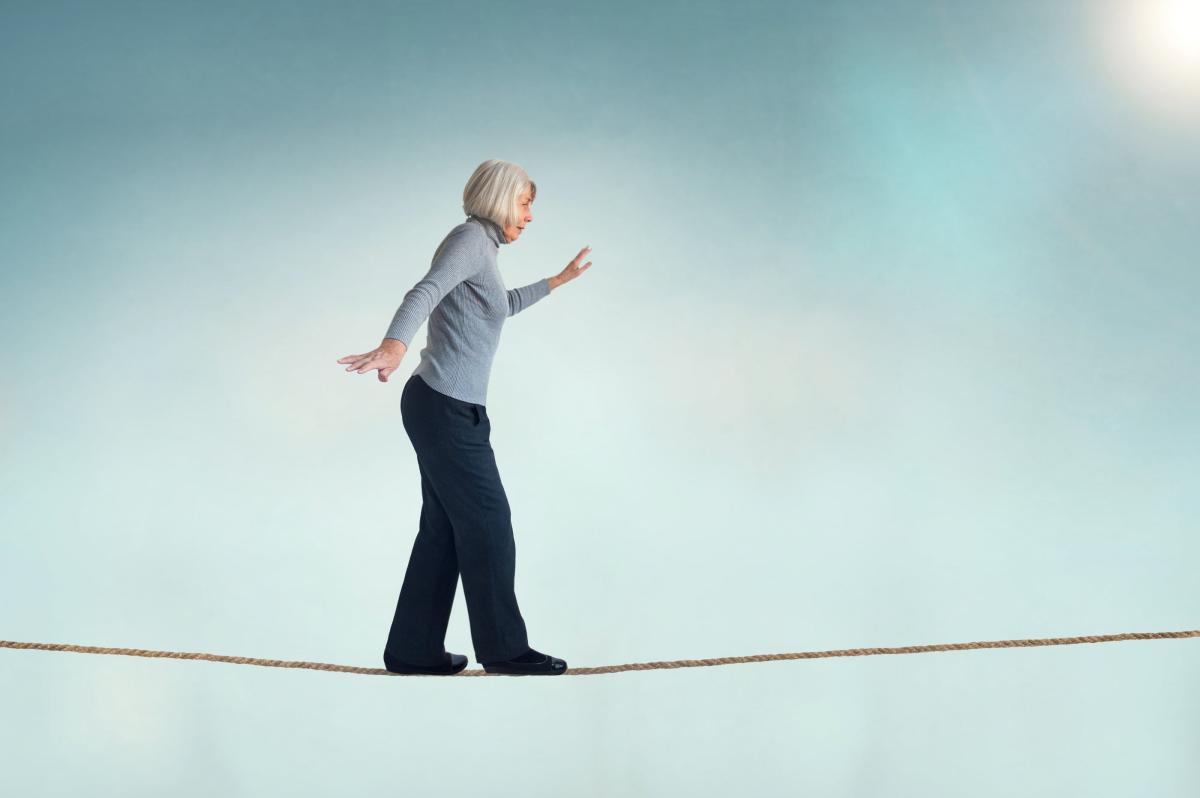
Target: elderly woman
465 522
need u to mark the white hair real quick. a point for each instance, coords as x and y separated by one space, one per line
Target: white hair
493 189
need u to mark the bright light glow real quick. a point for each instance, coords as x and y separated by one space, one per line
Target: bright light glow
1171 31
1155 45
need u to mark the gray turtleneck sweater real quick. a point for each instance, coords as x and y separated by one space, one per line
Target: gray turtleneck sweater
467 303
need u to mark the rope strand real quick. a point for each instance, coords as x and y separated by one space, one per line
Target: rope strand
632 666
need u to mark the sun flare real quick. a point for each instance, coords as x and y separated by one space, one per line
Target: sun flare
1156 46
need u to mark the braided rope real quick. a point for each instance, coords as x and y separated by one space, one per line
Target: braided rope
632 666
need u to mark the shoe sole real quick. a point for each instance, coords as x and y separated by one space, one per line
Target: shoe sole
533 669
417 670
423 672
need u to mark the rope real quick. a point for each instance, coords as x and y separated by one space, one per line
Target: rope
632 666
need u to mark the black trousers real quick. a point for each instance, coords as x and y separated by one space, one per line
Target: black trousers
466 528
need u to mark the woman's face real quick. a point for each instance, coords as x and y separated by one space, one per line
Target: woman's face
524 215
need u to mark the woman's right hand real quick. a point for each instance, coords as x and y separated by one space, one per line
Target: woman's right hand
386 357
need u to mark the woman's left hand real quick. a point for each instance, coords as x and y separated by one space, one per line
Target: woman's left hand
572 270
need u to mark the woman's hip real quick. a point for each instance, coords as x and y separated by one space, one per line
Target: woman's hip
432 418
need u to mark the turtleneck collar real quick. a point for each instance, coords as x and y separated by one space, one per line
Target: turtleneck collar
492 229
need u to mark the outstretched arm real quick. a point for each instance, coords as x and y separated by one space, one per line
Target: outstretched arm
526 295
456 259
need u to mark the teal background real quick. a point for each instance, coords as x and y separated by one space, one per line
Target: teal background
889 339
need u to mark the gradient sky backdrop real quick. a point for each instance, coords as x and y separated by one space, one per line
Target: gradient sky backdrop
889 340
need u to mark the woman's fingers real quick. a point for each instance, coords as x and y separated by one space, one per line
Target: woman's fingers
377 359
572 271
370 363
358 362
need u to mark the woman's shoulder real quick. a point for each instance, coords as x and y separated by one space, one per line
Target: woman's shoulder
464 239
466 231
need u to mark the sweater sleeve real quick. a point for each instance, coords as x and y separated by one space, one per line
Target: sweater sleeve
455 260
526 295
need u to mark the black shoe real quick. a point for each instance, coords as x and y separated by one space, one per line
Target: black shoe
547 666
452 664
